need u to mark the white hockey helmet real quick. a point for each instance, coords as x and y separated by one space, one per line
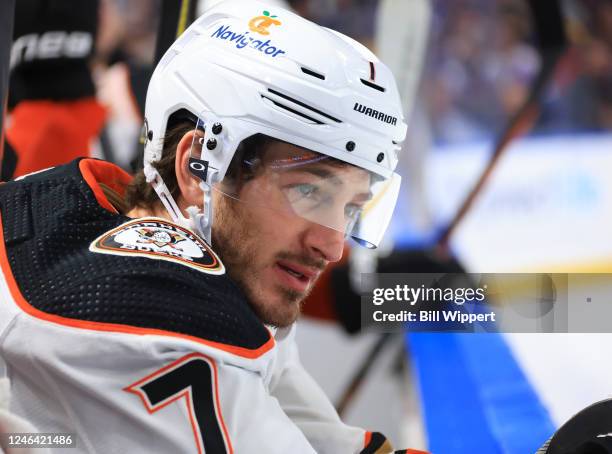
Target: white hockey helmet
246 68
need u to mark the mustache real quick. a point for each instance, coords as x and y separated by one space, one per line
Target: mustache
305 260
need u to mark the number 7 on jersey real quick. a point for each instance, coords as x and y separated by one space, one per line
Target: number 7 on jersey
193 377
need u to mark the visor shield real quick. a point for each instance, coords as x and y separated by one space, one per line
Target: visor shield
375 216
318 188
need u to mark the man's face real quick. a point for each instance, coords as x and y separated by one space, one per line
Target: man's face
268 241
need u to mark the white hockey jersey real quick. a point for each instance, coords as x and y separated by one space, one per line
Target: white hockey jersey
128 334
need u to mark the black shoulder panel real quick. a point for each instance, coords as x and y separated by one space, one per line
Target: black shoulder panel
50 219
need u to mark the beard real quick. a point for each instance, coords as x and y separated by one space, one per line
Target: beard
240 243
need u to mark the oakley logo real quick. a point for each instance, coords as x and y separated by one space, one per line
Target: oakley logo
260 24
242 40
389 119
54 44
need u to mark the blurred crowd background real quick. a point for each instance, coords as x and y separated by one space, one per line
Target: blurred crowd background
483 60
480 60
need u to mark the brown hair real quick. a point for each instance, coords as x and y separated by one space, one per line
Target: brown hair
139 193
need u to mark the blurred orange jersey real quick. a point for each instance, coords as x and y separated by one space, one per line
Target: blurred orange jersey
49 133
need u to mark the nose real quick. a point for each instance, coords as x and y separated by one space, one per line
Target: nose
324 242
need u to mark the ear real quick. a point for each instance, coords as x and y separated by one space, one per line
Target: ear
191 194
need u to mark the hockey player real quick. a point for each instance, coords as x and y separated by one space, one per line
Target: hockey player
268 138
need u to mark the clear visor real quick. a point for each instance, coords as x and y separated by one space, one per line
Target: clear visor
294 181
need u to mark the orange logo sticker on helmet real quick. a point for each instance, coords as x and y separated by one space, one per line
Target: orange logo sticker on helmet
260 24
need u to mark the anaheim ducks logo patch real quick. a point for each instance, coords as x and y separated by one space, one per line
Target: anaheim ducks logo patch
161 240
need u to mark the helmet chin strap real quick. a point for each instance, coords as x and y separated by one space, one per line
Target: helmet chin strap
198 220
201 219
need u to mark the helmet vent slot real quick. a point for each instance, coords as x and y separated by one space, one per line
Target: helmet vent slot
299 105
373 85
293 111
310 72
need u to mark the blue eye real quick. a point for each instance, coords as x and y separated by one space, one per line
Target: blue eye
306 190
302 191
305 197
